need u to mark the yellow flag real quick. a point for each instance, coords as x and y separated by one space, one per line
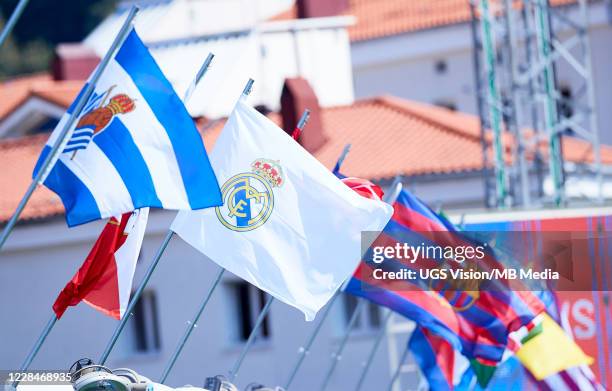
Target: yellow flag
551 351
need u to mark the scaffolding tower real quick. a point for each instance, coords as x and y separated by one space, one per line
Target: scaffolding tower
525 111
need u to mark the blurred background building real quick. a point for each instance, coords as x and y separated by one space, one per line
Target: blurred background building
400 80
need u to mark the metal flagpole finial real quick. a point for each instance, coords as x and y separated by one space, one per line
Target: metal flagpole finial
300 125
205 66
248 88
345 151
304 119
196 80
394 190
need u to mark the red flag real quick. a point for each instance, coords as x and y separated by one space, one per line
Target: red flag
104 281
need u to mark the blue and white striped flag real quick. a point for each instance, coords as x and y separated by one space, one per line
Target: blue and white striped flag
84 131
133 146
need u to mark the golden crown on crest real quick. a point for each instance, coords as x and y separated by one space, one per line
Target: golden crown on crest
270 170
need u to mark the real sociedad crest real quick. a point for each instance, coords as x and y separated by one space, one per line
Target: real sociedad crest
248 198
97 115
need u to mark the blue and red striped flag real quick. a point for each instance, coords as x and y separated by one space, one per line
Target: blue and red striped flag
476 321
441 364
445 368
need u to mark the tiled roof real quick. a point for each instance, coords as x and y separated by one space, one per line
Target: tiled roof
18 157
15 91
392 136
382 18
389 135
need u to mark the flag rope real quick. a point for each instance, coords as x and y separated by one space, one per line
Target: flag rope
377 341
305 350
158 255
12 21
67 130
125 29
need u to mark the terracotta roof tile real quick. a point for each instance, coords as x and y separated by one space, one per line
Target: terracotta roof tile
389 135
15 91
18 157
382 18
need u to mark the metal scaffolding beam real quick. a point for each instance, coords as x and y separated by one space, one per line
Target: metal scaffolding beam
524 111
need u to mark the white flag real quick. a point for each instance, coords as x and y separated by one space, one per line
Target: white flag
287 224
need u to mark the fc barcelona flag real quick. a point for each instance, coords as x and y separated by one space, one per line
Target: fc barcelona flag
133 146
478 322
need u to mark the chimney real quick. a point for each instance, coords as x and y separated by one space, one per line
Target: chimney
73 61
321 8
298 95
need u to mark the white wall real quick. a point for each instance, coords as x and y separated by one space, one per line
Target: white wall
317 49
40 258
404 65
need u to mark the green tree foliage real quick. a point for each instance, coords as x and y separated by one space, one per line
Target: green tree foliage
44 24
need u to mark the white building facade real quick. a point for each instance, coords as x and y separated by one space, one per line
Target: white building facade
409 64
40 258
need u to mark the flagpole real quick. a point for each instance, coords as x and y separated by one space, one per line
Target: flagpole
12 21
37 346
191 326
345 151
368 362
337 355
262 315
300 125
135 297
247 346
59 143
79 106
198 77
390 197
160 251
248 88
399 368
305 350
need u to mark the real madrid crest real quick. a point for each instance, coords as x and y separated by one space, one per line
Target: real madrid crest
248 198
